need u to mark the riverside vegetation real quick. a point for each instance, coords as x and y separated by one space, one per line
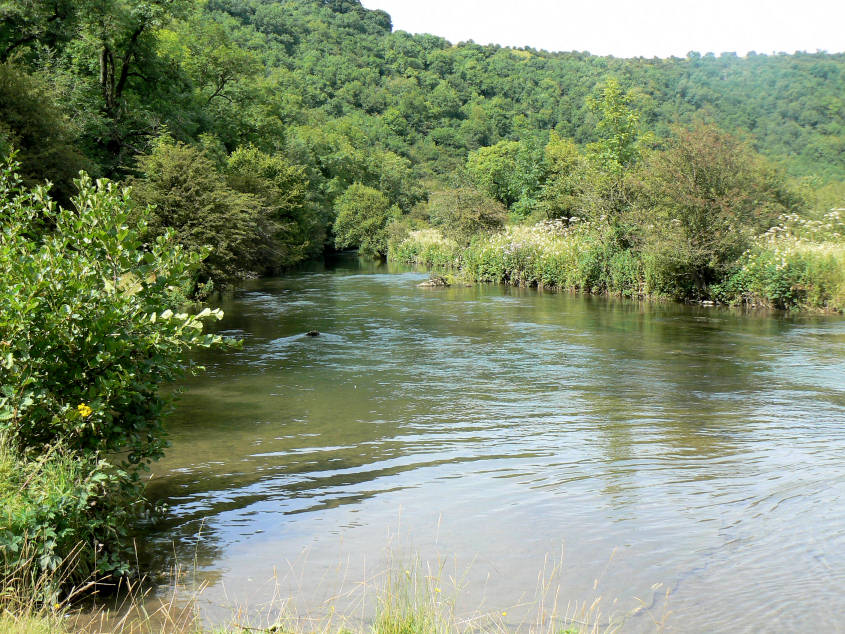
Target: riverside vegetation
257 134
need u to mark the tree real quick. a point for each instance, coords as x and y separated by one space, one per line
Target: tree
191 198
363 214
562 192
613 156
618 147
206 52
463 213
294 228
510 172
44 139
117 76
25 23
702 199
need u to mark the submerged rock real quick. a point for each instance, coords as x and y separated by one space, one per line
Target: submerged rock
434 282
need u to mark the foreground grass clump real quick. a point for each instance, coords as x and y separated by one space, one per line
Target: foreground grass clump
797 264
53 528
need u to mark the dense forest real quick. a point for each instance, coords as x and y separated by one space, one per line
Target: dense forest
245 122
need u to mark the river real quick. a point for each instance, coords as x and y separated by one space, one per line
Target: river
685 464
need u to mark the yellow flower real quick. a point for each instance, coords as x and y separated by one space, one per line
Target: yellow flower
84 410
504 613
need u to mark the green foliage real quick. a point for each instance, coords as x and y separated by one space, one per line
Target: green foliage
463 213
90 329
363 215
702 201
38 130
65 518
798 263
191 197
294 229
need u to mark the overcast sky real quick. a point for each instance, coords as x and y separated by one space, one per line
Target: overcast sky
629 28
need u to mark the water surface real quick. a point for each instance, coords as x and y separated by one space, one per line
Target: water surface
489 431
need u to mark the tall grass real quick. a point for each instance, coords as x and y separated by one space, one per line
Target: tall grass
426 247
575 255
799 263
405 598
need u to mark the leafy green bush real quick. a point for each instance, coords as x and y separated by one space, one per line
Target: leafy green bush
363 214
799 263
192 199
90 328
464 213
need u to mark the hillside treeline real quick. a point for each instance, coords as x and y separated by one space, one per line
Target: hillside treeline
246 122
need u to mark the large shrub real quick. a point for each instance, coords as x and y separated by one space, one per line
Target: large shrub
191 197
90 328
702 202
463 213
363 215
294 230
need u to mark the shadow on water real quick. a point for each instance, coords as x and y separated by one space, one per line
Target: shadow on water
687 437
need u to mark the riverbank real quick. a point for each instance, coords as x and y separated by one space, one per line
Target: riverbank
797 265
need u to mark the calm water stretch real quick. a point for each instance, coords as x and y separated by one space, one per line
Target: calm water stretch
490 433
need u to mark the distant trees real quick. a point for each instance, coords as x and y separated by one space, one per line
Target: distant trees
289 107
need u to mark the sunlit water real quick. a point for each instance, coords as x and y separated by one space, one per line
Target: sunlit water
651 448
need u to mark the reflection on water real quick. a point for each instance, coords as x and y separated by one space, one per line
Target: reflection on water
698 447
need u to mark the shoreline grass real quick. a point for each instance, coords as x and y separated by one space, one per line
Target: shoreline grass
405 598
796 265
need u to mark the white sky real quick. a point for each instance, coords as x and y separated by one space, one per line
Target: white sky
629 28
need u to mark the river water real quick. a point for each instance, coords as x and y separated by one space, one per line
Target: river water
684 464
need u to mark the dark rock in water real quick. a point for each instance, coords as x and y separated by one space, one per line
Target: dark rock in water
434 282
312 333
